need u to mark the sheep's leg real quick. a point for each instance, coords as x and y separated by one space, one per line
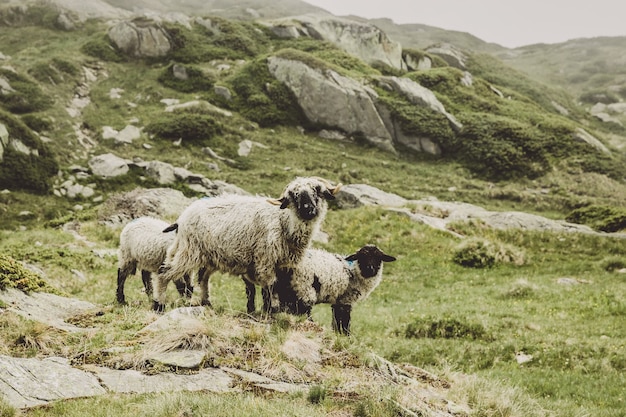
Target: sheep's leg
122 274
146 277
184 287
250 295
268 294
341 318
203 281
159 284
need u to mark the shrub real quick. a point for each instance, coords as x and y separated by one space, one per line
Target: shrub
27 96
192 127
262 99
14 275
19 170
444 328
481 253
196 80
37 123
599 217
613 263
103 49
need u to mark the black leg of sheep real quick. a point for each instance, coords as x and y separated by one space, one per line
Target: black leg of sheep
341 318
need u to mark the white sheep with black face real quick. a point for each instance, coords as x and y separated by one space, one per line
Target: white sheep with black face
324 277
243 235
143 246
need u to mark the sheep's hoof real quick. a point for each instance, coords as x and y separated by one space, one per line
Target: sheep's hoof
206 303
122 302
158 307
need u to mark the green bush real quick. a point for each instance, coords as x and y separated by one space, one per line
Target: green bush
191 127
14 275
21 171
27 96
103 49
444 328
196 80
261 98
599 217
37 123
228 40
481 253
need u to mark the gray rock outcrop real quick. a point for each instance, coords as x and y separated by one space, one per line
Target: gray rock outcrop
141 38
362 40
330 99
30 382
438 214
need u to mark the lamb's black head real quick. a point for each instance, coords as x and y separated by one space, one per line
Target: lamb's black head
369 259
307 196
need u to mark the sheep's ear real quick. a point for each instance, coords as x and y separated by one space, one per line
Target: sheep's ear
387 258
170 228
284 203
328 195
351 258
280 202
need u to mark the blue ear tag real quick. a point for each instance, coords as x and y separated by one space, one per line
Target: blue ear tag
350 263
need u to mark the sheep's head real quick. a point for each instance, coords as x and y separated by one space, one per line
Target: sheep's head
308 196
369 259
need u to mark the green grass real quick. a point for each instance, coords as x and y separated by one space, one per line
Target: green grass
429 311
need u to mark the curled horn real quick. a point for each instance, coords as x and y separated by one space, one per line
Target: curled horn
331 188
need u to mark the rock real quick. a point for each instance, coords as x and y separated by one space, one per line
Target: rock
330 99
140 38
108 165
302 349
156 202
46 308
582 135
420 96
4 139
449 53
30 382
128 134
161 171
186 359
180 72
131 381
355 195
360 39
200 104
223 92
245 147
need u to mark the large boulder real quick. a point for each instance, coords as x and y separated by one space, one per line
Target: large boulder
360 39
141 38
330 99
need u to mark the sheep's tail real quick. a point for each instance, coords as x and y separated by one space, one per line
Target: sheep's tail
170 228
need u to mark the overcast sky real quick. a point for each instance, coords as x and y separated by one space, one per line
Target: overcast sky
510 23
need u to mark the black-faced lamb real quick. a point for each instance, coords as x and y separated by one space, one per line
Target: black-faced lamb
324 277
243 235
143 246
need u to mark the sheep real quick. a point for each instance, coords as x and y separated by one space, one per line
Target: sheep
324 277
244 235
143 245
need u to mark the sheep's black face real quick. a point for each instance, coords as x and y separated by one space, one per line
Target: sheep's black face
370 259
308 198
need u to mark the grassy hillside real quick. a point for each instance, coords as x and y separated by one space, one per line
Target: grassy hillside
430 311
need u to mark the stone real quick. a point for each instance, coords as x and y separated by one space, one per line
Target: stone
108 165
30 382
46 308
330 99
140 38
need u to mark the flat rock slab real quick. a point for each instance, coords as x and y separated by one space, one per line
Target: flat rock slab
46 308
29 382
131 381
